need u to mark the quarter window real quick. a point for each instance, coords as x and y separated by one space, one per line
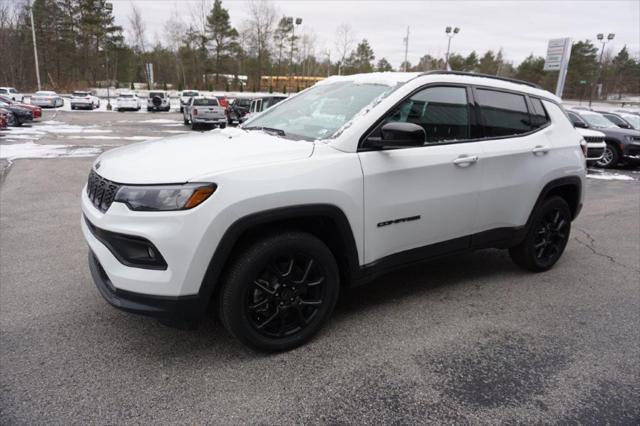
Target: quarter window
539 117
503 114
443 113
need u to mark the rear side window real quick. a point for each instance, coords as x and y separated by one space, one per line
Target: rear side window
443 113
206 101
539 117
503 114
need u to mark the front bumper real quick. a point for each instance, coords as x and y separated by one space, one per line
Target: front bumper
184 308
631 152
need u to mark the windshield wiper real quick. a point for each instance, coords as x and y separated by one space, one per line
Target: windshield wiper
278 132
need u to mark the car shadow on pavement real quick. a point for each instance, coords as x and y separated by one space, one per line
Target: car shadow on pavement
462 273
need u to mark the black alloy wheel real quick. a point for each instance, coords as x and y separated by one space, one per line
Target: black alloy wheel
546 237
286 296
279 291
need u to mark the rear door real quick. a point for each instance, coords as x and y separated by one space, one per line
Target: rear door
517 149
416 197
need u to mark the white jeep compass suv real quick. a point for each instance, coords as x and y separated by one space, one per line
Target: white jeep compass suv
350 178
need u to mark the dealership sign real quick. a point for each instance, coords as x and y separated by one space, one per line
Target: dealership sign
558 54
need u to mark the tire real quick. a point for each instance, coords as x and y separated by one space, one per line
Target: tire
265 299
72 108
181 109
194 126
610 158
546 237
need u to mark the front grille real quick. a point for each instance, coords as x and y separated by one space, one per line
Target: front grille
595 152
101 191
594 138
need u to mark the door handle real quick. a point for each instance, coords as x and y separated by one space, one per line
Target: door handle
541 149
465 160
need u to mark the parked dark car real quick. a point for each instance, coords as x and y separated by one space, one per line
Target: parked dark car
623 145
35 110
21 115
616 119
262 103
237 110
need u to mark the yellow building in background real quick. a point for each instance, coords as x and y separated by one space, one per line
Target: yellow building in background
287 83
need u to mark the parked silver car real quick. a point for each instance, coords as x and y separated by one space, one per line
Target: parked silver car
204 111
47 98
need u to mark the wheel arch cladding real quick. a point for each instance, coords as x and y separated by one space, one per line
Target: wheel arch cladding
568 188
326 222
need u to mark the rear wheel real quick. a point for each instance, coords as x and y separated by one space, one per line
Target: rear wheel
279 292
610 157
546 238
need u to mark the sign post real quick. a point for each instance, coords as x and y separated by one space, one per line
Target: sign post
558 54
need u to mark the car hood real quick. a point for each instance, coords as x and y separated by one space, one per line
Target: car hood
190 157
617 131
589 132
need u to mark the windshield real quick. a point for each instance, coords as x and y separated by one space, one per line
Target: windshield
13 91
126 95
634 120
242 102
158 94
209 102
320 111
44 93
80 94
189 94
597 120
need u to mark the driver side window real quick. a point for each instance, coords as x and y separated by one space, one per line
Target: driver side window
443 113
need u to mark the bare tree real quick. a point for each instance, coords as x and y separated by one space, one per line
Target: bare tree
345 40
262 19
173 36
138 29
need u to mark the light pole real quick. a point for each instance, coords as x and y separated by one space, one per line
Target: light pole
35 47
450 34
108 6
604 41
290 21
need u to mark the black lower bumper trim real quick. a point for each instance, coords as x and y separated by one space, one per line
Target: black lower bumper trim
179 308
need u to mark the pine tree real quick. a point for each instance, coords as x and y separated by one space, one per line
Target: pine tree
221 33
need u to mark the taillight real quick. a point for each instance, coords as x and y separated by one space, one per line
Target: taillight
195 111
583 145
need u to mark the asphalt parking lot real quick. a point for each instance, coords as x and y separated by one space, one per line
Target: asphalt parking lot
471 339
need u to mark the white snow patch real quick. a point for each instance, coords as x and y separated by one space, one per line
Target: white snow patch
384 78
173 125
610 176
176 131
34 150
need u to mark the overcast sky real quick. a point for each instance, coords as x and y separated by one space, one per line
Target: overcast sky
518 27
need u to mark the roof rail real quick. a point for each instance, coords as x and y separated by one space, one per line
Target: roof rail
473 74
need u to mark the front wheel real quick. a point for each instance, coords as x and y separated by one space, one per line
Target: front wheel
610 157
546 238
280 291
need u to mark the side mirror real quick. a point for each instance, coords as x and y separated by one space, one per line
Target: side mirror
580 124
399 134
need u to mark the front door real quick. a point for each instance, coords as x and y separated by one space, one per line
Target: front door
421 196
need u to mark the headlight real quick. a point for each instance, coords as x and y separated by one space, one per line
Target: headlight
164 197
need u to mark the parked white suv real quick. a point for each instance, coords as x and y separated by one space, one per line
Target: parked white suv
84 100
348 179
158 101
